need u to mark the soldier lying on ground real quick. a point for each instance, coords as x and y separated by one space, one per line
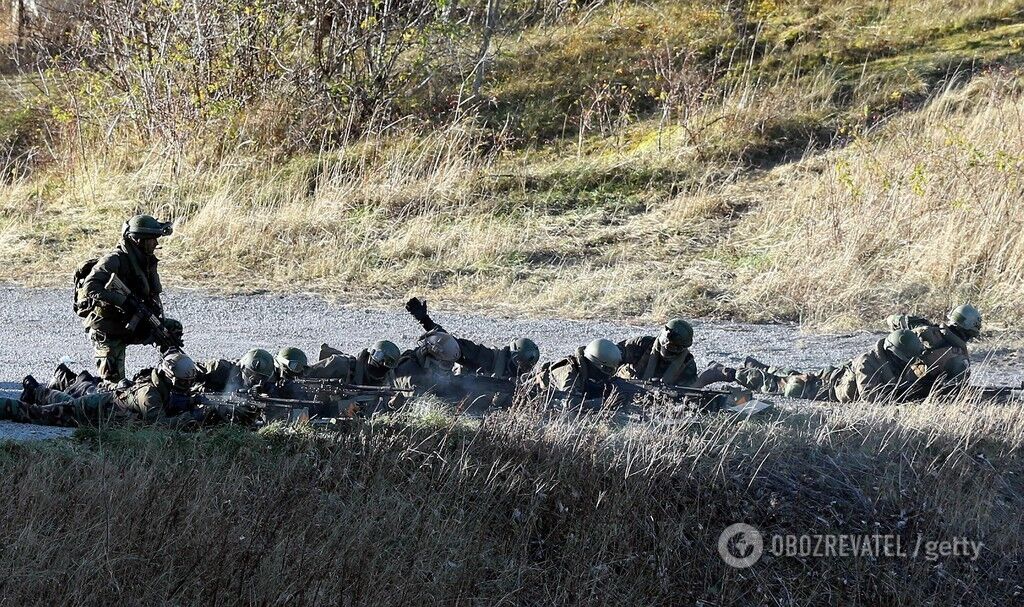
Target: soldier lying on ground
159 395
586 375
373 366
427 368
343 384
892 370
665 358
509 362
109 314
946 355
254 370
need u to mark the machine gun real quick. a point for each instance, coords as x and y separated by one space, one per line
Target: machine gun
142 314
1001 393
338 398
248 408
655 396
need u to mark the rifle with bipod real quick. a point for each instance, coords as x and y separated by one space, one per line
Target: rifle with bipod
660 398
248 408
338 398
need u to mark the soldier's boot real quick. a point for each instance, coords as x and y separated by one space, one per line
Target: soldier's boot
752 363
716 373
62 377
13 410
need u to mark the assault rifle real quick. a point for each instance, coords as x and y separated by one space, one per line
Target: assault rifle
682 400
1001 393
142 314
248 408
336 397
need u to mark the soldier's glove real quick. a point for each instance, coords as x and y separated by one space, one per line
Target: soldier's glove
418 310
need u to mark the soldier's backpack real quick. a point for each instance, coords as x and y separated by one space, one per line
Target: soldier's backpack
82 304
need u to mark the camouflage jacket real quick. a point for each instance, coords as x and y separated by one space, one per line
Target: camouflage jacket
138 271
570 378
877 375
220 375
484 360
946 355
335 364
641 360
424 375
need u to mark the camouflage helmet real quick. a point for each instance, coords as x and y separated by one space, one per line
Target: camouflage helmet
384 354
291 361
178 369
794 386
676 336
904 344
147 226
524 354
604 354
441 346
257 364
967 318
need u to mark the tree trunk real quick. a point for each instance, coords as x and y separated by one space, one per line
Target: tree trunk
490 24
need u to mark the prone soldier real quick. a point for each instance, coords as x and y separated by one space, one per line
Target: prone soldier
665 358
586 375
158 395
509 362
892 370
946 355
255 370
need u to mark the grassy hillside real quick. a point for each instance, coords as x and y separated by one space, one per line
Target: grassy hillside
825 160
425 509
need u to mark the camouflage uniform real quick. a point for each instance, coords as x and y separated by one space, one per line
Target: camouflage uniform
107 321
220 375
358 370
876 375
485 360
946 355
148 398
572 378
418 371
642 360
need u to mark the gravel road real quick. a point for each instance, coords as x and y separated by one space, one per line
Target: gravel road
40 329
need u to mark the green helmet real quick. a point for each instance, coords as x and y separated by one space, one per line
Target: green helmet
794 386
442 346
385 354
257 366
604 354
178 369
524 354
291 361
147 226
967 318
676 336
904 344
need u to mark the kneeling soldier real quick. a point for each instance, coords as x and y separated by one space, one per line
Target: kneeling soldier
113 316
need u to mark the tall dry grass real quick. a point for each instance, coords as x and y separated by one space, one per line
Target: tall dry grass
520 510
922 214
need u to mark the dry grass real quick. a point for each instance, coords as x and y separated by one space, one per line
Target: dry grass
921 214
825 180
520 510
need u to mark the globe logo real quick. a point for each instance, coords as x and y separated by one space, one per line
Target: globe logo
740 545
